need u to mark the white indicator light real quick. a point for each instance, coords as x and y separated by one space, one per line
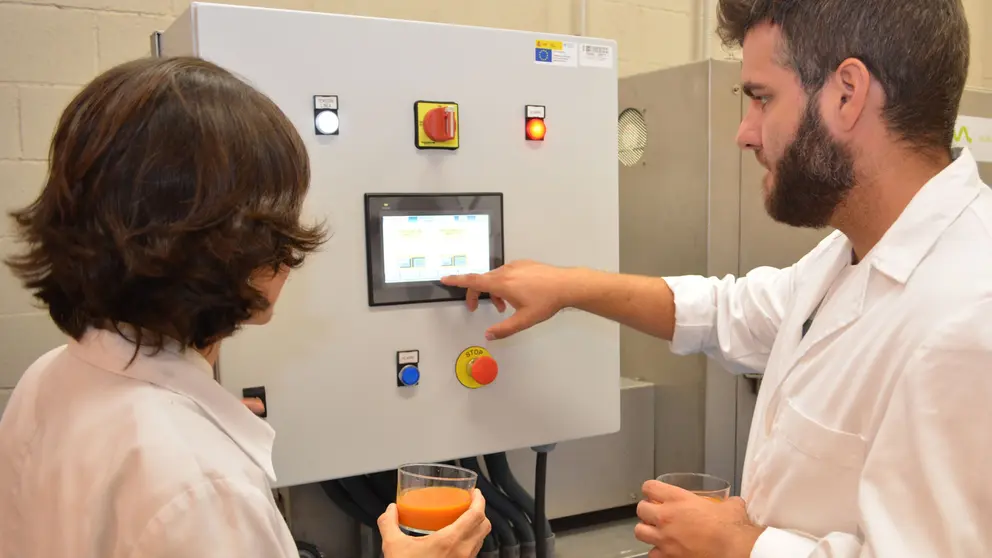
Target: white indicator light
326 122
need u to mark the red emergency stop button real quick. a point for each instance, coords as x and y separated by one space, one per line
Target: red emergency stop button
484 370
439 124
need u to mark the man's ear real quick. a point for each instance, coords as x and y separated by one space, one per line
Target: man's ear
845 95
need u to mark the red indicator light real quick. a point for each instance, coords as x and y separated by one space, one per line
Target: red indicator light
536 129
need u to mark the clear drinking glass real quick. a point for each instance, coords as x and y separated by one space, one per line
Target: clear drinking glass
431 496
700 484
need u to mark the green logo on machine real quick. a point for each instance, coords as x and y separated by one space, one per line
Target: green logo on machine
962 132
975 133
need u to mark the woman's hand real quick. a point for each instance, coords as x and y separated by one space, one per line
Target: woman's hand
461 539
254 405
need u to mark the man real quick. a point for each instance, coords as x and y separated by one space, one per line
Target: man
871 434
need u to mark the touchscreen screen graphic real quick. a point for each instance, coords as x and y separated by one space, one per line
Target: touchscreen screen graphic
417 248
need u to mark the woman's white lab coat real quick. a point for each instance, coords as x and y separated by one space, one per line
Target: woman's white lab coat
103 460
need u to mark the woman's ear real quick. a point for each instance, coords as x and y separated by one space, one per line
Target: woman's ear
269 282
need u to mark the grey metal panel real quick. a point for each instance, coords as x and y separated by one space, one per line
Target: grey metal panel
600 472
313 333
723 258
978 103
663 208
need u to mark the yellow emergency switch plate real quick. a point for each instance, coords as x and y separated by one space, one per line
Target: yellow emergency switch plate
463 365
423 141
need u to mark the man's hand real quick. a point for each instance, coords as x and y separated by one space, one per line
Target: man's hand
680 524
536 292
461 539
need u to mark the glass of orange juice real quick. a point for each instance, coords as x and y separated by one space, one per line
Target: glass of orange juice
700 484
430 496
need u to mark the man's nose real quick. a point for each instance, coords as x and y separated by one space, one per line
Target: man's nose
749 133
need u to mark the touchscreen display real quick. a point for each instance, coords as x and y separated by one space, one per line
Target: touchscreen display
429 247
412 241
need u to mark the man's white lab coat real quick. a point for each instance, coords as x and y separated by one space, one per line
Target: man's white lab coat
872 435
99 459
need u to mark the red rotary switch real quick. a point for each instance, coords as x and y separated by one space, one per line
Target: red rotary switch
439 124
484 370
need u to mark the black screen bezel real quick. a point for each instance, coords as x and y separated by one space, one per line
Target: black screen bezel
382 294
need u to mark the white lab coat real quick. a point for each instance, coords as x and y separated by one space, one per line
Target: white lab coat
155 460
872 435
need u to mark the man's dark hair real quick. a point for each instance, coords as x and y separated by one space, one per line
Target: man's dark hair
917 49
171 181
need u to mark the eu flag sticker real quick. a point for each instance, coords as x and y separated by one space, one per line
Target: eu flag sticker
542 55
555 53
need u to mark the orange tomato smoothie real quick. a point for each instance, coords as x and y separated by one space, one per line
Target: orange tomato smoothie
432 508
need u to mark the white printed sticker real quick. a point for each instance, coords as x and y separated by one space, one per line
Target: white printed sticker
408 357
322 102
596 56
976 134
535 111
555 53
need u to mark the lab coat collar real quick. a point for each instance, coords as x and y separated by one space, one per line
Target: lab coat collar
938 204
186 373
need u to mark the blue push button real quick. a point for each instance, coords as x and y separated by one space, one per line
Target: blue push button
409 375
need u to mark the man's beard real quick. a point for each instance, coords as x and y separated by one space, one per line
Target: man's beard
813 177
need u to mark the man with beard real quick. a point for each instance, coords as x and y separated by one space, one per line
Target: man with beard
871 431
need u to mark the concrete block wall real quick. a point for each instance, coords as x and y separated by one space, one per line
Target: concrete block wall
49 48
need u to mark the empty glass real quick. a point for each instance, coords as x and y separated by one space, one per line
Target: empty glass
700 484
430 496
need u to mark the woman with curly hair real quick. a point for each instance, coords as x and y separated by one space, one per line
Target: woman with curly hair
171 218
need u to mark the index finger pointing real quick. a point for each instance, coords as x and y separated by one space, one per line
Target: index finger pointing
467 281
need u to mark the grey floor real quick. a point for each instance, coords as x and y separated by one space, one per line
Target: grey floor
608 540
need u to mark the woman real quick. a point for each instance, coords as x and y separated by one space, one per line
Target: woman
170 219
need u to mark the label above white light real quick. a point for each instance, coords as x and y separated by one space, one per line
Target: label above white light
975 133
325 102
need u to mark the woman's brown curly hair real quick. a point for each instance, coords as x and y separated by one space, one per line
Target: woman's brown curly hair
171 181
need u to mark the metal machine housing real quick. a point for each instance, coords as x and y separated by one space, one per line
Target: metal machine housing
328 360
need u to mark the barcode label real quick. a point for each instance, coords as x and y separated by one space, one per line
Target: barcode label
597 56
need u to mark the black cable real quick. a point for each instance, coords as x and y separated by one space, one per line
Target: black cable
343 501
540 515
505 537
502 476
501 503
489 544
384 485
361 492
